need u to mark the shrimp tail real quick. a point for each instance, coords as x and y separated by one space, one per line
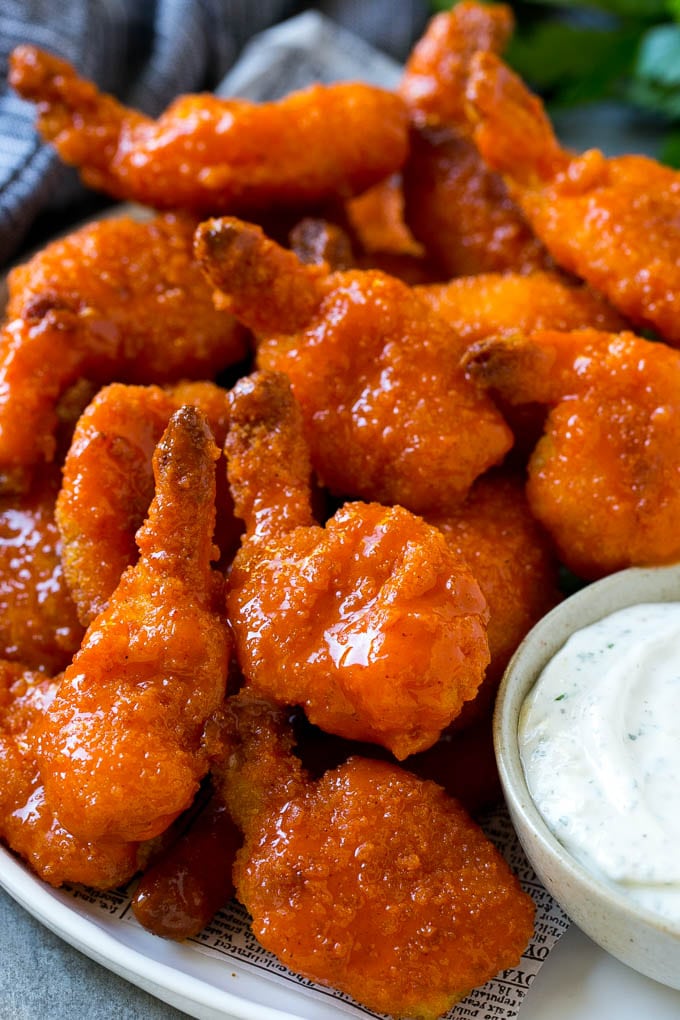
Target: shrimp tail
85 124
268 459
268 288
513 133
177 536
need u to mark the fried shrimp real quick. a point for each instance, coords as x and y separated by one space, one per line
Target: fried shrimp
459 209
371 624
612 222
212 155
436 72
108 483
38 621
605 478
27 823
514 563
492 303
117 300
369 879
152 666
388 413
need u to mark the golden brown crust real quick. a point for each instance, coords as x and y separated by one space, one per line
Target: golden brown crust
108 482
212 155
152 666
116 300
604 478
605 220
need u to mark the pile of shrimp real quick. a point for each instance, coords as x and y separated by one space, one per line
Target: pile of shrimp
290 462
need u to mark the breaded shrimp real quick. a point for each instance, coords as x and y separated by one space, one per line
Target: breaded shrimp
185 886
122 752
492 303
613 222
369 880
27 824
108 483
605 479
454 205
388 413
38 621
117 300
213 155
436 72
514 563
371 623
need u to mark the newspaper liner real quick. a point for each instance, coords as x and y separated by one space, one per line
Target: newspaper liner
229 938
291 55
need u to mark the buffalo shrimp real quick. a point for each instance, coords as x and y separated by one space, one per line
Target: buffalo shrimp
211 155
612 222
27 823
388 413
122 748
116 300
369 879
604 479
454 204
370 623
108 483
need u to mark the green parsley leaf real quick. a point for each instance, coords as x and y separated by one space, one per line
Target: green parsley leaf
658 58
670 150
571 64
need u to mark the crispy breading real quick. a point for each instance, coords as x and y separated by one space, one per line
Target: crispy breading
152 666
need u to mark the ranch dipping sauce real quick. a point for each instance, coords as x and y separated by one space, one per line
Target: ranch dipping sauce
599 739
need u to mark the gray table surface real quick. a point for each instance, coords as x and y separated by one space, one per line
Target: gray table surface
43 978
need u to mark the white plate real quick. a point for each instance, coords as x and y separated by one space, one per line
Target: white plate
578 981
201 985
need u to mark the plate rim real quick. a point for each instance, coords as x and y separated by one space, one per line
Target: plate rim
96 942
